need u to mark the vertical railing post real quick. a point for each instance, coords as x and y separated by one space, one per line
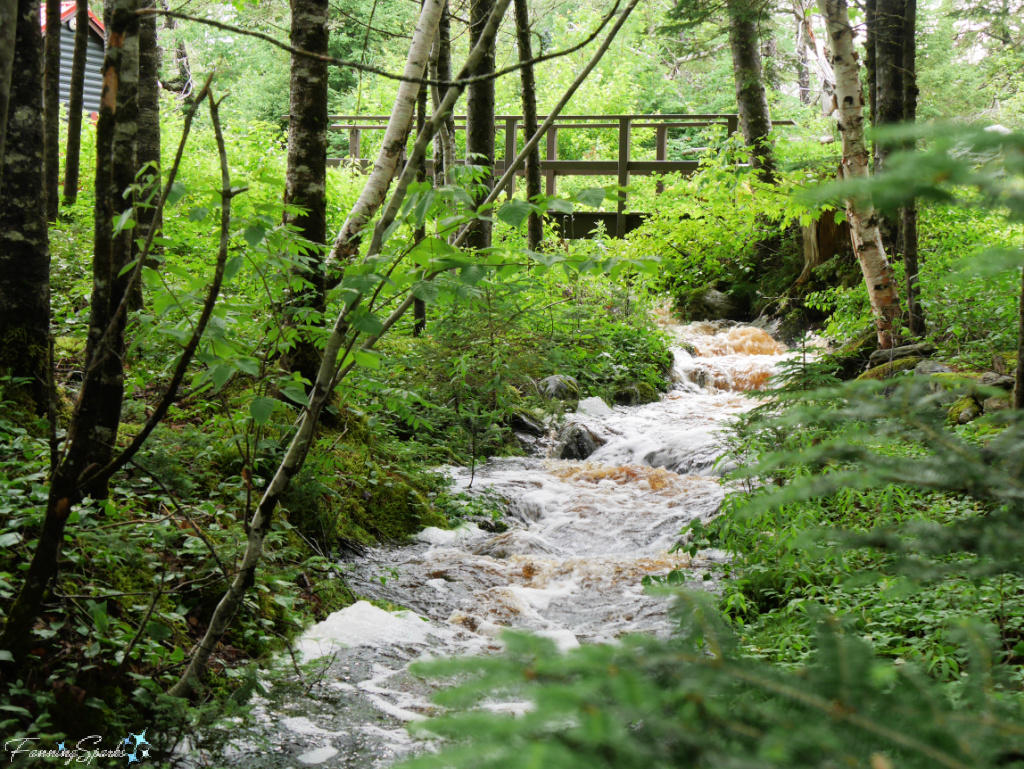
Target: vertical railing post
660 151
625 131
732 124
354 139
511 126
552 154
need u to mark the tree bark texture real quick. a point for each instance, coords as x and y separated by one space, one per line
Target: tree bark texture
419 307
24 245
147 152
8 30
867 242
444 141
803 73
306 181
346 244
51 110
98 414
751 98
889 29
534 225
1018 387
480 121
908 215
89 440
870 49
73 153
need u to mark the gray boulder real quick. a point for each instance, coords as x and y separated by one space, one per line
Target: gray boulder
576 441
716 305
928 367
594 407
524 422
919 350
559 387
997 403
992 379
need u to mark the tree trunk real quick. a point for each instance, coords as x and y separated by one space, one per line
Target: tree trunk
99 410
419 307
89 439
480 122
306 183
751 99
908 215
1018 387
24 246
51 110
148 145
803 73
442 65
867 242
889 30
534 225
870 49
346 244
72 161
8 28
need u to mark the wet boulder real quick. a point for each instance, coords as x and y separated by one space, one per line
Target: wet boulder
889 370
635 394
559 387
523 421
576 441
996 403
594 407
715 305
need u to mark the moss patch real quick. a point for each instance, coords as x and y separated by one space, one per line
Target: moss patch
889 370
635 394
965 409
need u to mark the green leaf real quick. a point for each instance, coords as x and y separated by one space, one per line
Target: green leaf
254 235
124 222
295 393
261 409
232 266
594 196
176 193
128 268
560 206
515 212
10 539
423 206
366 359
197 214
220 374
472 274
366 322
427 290
6 656
157 632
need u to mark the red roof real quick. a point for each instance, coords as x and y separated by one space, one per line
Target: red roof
67 10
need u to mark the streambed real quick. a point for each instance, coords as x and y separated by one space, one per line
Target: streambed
581 537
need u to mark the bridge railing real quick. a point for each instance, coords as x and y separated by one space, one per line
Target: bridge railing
551 166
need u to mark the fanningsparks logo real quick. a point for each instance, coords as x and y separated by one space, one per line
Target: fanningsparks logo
134 747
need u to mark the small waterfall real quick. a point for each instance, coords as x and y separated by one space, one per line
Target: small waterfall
581 537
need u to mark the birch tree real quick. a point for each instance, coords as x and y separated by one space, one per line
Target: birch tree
867 241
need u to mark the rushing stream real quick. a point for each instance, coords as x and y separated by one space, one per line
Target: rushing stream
581 537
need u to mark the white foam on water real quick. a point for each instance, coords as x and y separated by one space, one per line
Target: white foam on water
363 624
319 755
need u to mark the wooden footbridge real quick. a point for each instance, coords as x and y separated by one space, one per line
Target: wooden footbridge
582 224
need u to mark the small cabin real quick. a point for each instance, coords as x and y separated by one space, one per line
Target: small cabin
93 56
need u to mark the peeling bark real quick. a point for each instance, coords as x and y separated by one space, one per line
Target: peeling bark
24 245
72 161
346 244
867 242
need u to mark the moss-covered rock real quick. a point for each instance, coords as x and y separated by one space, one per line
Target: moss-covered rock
996 403
635 394
964 410
889 370
853 356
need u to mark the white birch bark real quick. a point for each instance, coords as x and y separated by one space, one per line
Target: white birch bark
395 136
867 242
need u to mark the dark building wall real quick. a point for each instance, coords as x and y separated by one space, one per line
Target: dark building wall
93 66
